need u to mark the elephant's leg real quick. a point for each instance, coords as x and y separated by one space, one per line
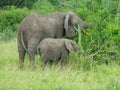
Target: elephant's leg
43 63
21 52
32 49
32 60
62 59
61 62
51 62
31 57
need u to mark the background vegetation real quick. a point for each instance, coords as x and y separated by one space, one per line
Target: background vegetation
100 65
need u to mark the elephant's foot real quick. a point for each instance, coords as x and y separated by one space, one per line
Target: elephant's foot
32 65
21 67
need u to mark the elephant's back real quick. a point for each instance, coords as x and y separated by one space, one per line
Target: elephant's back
30 25
52 41
36 22
50 48
29 22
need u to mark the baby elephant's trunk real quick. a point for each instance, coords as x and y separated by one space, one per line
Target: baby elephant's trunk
80 53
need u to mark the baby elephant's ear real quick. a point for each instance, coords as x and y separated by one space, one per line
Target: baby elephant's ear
69 45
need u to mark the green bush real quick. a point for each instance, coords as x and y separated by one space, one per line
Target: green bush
9 21
7 35
43 7
11 18
17 3
103 39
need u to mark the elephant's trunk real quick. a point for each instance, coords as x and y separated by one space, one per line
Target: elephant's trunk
85 26
80 53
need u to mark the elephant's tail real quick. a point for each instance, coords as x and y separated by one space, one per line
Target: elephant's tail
23 43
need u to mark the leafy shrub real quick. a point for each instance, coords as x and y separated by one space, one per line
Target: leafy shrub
7 35
43 7
9 21
17 3
11 18
80 61
103 39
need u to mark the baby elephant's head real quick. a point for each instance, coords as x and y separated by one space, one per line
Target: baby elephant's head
71 46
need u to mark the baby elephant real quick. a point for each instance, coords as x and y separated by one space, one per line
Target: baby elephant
51 49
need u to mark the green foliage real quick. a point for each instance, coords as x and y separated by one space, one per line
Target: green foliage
54 2
103 39
105 19
83 62
97 68
9 21
76 75
43 7
7 35
17 3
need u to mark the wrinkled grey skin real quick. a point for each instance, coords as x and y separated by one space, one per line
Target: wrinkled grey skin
51 49
36 27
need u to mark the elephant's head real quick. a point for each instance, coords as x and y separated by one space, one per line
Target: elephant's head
71 21
71 46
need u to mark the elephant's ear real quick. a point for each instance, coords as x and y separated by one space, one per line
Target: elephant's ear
69 46
66 24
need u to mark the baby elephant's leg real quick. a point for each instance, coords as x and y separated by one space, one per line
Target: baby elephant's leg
44 63
62 59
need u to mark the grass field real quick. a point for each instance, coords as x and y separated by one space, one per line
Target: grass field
98 77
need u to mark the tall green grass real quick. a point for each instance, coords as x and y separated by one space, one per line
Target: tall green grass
75 75
100 78
98 69
103 38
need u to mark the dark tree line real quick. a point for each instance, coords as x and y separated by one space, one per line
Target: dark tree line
25 3
18 3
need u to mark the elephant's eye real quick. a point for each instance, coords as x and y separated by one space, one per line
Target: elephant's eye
69 22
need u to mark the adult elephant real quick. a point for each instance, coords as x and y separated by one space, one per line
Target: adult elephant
36 27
